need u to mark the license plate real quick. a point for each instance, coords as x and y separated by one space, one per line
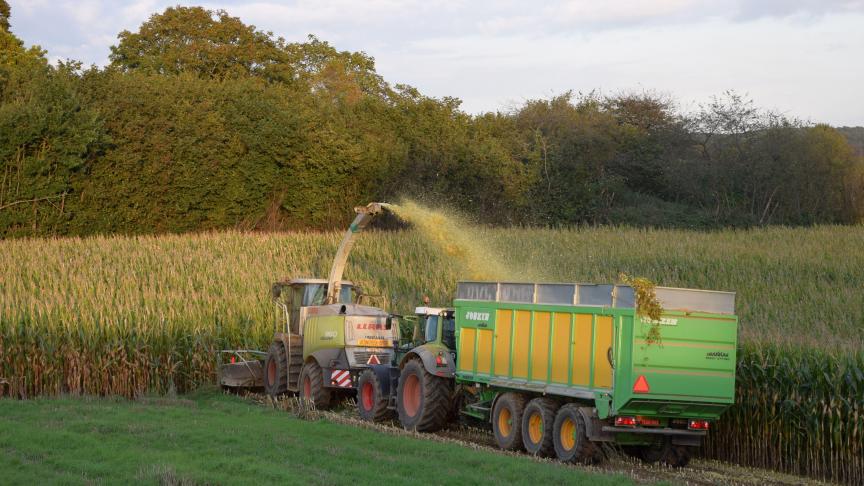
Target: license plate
380 343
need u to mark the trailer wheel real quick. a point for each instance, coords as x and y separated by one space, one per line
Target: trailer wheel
538 420
665 453
275 370
507 421
422 399
570 438
312 386
371 403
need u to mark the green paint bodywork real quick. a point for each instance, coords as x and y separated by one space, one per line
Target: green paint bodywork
323 332
690 371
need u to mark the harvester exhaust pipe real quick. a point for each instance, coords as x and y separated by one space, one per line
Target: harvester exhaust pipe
365 214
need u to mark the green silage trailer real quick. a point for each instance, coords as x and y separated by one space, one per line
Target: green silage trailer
558 368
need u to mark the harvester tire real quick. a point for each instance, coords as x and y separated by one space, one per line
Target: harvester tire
312 386
570 438
371 403
507 421
422 399
276 370
538 420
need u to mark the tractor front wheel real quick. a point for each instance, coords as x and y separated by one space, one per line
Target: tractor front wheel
371 403
312 386
423 399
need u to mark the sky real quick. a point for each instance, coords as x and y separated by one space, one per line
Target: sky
801 58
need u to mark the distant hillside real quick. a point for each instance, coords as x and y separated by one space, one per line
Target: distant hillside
855 135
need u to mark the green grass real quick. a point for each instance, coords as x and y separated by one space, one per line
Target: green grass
213 438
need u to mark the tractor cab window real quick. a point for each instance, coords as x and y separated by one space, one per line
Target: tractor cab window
448 333
431 328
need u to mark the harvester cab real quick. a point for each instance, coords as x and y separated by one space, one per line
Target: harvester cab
324 335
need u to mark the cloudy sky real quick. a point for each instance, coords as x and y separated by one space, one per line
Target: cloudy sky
804 58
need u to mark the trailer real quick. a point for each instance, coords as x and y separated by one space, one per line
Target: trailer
559 368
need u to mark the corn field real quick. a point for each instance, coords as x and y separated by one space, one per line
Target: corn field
136 315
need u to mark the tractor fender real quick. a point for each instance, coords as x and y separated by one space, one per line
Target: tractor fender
329 359
427 354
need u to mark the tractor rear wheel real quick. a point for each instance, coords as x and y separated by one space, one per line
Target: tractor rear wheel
507 421
371 403
570 437
312 386
276 370
423 399
538 420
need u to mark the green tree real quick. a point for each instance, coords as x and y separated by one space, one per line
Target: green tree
46 138
4 15
199 41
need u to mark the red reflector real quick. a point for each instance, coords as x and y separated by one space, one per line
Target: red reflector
641 385
233 360
438 360
625 421
652 422
698 425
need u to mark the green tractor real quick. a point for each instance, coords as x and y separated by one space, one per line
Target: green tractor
417 384
326 334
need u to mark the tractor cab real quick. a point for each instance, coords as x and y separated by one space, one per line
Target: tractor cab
435 325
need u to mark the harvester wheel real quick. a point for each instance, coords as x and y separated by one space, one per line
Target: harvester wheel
312 386
275 370
570 438
423 399
371 403
507 421
537 423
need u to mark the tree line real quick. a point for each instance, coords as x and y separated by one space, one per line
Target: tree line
202 122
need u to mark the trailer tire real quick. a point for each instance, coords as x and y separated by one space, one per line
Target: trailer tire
371 403
312 386
678 456
538 421
570 437
276 370
507 421
422 399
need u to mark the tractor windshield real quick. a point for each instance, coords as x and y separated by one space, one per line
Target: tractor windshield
448 334
431 328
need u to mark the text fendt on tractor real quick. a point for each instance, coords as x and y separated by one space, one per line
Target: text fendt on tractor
560 368
324 336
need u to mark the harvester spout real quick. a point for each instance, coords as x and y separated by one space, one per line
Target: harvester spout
364 216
